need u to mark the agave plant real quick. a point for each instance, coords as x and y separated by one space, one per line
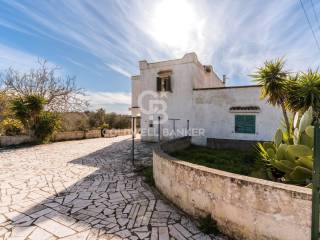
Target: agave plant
294 160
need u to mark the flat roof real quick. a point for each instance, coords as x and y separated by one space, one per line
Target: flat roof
230 87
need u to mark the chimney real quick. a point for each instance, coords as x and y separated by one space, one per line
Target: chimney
224 78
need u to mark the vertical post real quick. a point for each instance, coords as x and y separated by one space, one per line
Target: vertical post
315 183
159 129
174 128
188 128
133 136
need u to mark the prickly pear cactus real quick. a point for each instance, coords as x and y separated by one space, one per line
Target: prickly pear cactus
295 159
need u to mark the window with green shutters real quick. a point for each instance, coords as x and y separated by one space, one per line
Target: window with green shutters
245 124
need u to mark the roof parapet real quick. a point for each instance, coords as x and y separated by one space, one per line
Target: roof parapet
136 77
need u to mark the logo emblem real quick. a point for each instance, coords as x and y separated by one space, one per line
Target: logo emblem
154 107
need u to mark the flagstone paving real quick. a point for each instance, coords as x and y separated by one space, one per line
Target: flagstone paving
84 189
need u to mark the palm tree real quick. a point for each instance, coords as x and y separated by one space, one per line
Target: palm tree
303 91
273 78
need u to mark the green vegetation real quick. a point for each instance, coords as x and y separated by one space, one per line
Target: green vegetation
293 160
208 225
289 158
99 119
38 103
303 92
11 127
30 111
27 109
229 160
47 123
31 102
273 78
147 173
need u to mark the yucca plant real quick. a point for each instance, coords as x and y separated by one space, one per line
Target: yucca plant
273 78
20 111
27 109
303 91
295 159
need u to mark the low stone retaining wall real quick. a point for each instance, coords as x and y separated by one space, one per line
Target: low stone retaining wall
117 132
14 140
64 136
244 207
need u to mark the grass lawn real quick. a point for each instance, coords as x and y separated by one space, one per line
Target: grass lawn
229 160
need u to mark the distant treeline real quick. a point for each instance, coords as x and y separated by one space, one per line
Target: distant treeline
72 121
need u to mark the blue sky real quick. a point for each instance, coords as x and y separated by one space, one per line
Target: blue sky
102 41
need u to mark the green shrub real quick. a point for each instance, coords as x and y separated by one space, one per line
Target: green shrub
27 109
208 225
148 176
47 123
11 127
293 159
34 103
20 110
105 126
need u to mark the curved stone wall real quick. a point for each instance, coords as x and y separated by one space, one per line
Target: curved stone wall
244 207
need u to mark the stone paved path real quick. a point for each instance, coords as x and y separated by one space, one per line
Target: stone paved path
84 190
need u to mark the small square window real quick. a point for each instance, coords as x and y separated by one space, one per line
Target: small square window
164 84
151 124
245 124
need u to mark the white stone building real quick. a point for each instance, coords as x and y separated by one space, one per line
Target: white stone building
193 94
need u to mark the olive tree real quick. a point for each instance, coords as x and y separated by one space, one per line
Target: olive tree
60 93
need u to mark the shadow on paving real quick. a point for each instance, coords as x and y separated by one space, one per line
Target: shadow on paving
110 203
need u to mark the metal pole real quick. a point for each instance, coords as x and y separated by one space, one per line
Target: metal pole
187 128
174 128
159 129
133 136
315 183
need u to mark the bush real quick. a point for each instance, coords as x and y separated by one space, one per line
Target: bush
148 176
27 108
11 127
208 225
105 126
47 123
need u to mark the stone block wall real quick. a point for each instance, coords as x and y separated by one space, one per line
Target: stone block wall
14 140
63 136
244 207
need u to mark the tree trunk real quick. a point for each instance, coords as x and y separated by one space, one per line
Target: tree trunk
286 119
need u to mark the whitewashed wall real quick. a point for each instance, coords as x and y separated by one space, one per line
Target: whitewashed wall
187 73
204 108
179 101
136 89
211 112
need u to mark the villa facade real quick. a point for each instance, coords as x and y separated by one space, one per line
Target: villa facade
188 95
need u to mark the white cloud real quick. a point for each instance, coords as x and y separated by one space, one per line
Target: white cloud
119 69
234 36
74 62
112 101
17 59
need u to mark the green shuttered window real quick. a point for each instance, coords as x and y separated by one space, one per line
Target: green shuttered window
245 124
